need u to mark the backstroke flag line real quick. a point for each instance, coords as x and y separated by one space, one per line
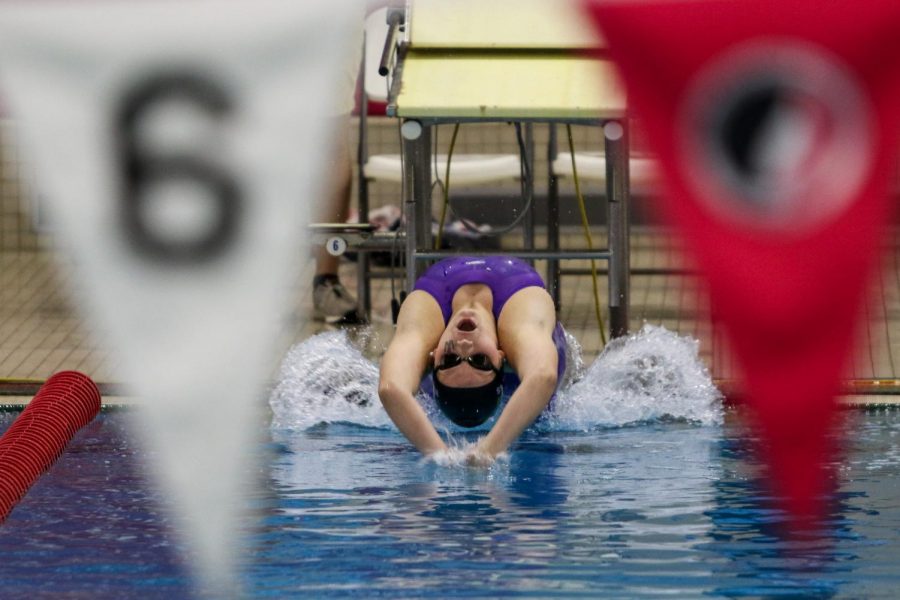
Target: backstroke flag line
178 145
776 125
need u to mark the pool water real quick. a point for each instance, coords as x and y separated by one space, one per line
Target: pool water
91 527
655 509
639 485
646 510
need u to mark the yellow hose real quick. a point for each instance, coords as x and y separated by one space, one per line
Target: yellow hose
446 188
587 235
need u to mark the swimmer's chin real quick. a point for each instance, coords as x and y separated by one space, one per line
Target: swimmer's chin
467 456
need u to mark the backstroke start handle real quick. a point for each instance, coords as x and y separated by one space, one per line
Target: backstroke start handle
394 20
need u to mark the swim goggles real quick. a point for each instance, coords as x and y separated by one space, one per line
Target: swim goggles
478 361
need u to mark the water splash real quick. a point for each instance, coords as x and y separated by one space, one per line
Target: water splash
458 454
326 379
651 375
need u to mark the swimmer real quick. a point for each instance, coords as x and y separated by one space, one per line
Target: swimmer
464 320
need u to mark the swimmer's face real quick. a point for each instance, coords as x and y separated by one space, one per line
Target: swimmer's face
468 332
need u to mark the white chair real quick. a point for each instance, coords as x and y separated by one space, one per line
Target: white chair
644 174
466 169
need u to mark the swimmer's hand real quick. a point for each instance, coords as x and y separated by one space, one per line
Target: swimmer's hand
449 457
469 455
479 458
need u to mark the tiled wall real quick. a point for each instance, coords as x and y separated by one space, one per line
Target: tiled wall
16 230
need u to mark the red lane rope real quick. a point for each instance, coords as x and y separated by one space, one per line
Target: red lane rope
65 403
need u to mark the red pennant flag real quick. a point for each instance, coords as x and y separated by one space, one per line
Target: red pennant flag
774 122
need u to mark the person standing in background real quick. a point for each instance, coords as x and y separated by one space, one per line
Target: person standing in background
332 302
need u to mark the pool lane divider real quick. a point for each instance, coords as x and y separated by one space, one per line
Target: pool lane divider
66 402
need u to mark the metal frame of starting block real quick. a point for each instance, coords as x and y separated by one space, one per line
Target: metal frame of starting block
470 61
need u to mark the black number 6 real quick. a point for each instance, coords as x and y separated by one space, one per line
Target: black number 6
140 168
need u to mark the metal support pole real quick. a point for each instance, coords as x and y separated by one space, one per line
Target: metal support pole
423 189
528 200
417 186
615 135
552 219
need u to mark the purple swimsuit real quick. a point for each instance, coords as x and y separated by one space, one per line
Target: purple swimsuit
504 276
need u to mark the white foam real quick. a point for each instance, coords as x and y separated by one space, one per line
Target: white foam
651 375
458 454
326 379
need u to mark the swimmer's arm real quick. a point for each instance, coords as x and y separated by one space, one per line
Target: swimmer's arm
537 372
419 327
526 334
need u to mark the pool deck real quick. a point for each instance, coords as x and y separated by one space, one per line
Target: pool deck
41 332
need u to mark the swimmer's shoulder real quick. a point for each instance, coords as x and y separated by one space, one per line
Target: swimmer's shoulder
421 314
420 300
530 305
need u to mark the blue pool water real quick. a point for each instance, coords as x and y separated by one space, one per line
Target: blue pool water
649 510
621 502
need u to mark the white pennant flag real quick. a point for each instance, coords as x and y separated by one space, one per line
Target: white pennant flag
178 145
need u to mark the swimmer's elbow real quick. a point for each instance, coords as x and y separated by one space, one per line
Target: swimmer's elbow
388 391
544 379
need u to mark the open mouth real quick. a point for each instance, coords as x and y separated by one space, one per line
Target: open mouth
466 325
